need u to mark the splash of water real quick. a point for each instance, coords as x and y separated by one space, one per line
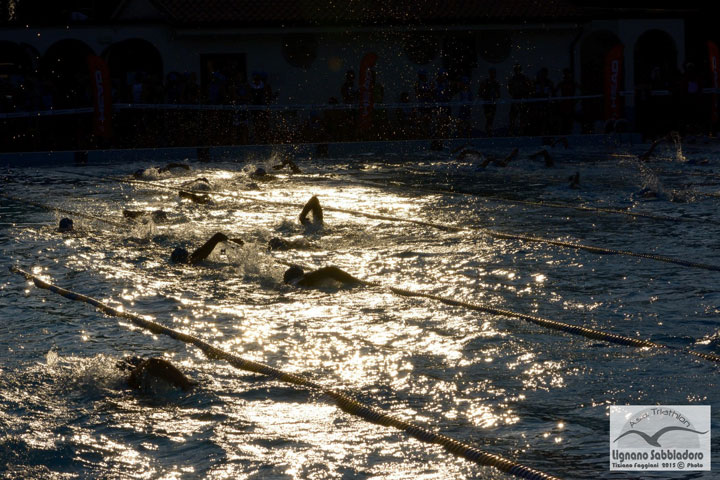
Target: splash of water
677 142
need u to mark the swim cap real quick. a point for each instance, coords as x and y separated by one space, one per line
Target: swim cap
66 225
293 273
277 243
180 255
129 363
260 171
159 216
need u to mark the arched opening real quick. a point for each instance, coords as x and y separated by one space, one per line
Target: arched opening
15 60
655 50
65 67
593 51
135 62
656 70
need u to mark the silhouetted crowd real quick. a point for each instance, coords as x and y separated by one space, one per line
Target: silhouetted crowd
435 106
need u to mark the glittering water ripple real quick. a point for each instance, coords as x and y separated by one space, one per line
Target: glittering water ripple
509 387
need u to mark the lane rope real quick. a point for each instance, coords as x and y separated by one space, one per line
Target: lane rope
555 325
345 402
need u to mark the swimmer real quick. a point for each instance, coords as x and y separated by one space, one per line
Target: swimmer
647 193
65 225
574 181
312 205
672 137
490 158
200 183
549 161
195 198
261 174
172 165
144 373
296 276
157 216
288 162
468 152
143 171
280 244
504 162
181 255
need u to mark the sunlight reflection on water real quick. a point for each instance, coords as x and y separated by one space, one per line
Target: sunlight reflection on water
504 385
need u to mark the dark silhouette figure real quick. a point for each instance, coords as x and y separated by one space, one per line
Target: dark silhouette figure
181 255
574 181
549 161
144 371
313 205
297 276
65 225
490 93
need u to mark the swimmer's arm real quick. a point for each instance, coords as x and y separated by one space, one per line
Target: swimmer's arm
202 253
647 154
312 205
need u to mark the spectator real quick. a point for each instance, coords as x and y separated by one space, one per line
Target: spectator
424 94
464 124
239 95
349 94
566 108
519 88
261 118
490 93
540 120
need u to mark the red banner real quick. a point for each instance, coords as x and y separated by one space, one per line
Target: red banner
613 83
367 85
102 95
714 58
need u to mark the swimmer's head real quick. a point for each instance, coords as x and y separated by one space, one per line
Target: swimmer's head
66 225
180 255
159 216
129 363
259 172
292 274
277 243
